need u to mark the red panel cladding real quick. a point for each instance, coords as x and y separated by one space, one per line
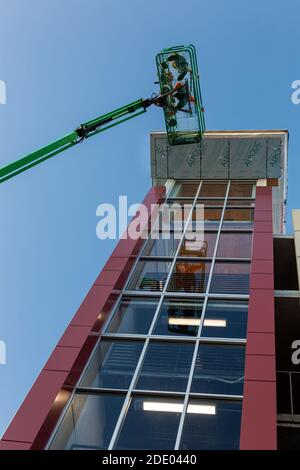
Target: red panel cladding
40 411
36 406
263 226
261 343
261 311
258 425
262 281
262 216
115 264
74 336
14 445
258 428
262 246
92 306
260 367
62 359
265 266
108 278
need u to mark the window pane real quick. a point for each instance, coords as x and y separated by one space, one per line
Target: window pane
184 190
133 316
166 366
151 424
219 370
230 278
201 248
149 276
225 319
174 215
235 245
179 317
238 219
213 189
210 217
113 364
241 190
212 425
189 277
89 422
164 244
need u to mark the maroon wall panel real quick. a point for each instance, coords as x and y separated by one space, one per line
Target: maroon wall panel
38 415
258 428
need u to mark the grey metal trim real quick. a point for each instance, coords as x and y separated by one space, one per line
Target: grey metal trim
287 293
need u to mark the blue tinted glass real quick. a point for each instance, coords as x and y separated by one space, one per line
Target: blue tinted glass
133 316
89 422
219 370
230 278
165 244
166 366
149 276
225 319
113 364
212 425
179 317
190 277
151 423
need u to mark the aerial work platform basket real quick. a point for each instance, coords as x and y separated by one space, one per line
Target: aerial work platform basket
179 83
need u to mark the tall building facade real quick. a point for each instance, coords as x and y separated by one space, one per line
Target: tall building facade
174 345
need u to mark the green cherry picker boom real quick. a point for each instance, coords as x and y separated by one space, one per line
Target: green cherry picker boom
179 96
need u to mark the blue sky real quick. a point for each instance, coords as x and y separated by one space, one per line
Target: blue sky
67 61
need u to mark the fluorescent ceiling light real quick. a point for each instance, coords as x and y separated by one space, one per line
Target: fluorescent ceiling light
202 409
184 321
178 407
217 323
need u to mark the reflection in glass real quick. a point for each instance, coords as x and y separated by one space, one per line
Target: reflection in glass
164 244
151 423
174 215
219 370
190 277
184 190
239 189
133 316
216 428
166 366
211 217
149 276
230 278
201 248
238 219
225 319
235 245
113 364
210 214
179 317
213 189
89 422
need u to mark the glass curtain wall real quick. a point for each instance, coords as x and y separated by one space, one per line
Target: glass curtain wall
168 370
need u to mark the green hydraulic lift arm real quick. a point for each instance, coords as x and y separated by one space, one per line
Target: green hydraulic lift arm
85 131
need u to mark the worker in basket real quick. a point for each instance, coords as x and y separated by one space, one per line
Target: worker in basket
180 64
183 96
